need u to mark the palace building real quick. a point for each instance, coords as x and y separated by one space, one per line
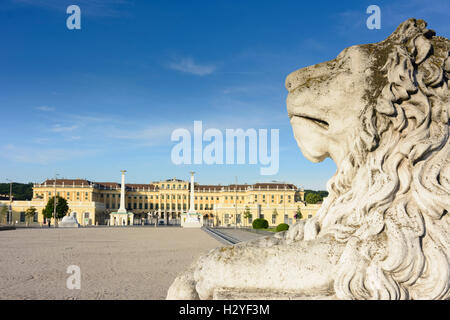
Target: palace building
163 202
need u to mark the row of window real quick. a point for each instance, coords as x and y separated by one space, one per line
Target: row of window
196 198
156 197
155 206
64 195
174 186
113 195
86 194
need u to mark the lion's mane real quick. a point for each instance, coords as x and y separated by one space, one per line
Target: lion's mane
388 200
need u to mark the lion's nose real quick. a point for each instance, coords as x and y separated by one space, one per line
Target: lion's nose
304 75
291 80
298 78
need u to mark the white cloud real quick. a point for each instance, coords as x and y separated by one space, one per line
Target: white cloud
41 155
188 65
235 90
40 140
45 108
147 136
83 119
60 128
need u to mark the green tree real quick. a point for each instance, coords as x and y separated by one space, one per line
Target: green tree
20 191
61 208
298 214
313 198
3 214
321 193
247 213
30 213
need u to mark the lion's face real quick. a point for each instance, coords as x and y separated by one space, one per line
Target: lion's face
325 102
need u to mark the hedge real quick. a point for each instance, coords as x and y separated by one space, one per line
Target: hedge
282 227
260 224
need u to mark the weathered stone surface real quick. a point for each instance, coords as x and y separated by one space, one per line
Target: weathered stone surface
259 294
381 112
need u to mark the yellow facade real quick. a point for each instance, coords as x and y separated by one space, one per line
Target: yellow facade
164 201
90 212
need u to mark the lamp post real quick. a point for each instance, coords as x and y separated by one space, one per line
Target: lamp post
54 204
235 204
284 201
10 202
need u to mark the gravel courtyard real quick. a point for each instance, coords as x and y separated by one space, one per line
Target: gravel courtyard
115 263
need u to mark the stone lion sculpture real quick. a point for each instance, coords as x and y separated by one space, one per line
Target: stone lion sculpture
381 112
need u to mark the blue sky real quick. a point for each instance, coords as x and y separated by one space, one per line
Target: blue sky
88 103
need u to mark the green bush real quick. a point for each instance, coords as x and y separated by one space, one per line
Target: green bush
282 227
260 224
313 198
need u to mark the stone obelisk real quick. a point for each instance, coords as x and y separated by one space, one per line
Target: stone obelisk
122 194
191 218
121 217
191 205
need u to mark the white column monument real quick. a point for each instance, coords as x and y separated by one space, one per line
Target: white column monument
120 218
122 194
191 219
191 204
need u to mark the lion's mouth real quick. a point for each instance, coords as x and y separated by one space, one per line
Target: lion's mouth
321 123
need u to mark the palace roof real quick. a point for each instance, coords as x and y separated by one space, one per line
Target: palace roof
153 186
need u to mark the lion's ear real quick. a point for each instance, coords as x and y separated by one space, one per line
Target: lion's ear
422 48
